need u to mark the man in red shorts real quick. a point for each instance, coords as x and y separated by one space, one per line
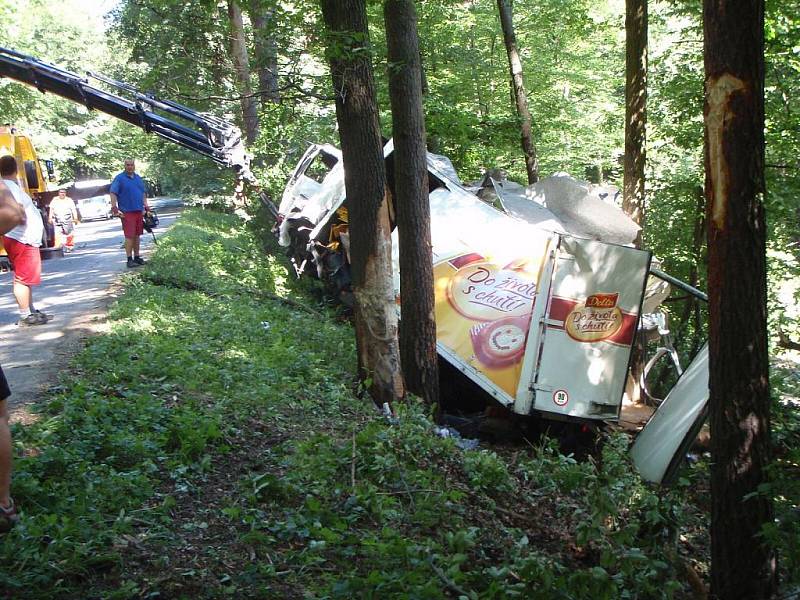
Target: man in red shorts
11 215
128 196
22 246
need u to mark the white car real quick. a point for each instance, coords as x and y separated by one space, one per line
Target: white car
95 206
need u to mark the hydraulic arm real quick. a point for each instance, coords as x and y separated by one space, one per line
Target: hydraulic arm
206 134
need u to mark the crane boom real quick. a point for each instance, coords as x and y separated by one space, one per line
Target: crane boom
206 134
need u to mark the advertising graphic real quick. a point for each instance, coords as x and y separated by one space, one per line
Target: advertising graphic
595 319
500 343
483 312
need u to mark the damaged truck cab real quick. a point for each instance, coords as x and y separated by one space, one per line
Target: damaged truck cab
528 307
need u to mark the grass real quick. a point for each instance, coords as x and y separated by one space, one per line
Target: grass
213 445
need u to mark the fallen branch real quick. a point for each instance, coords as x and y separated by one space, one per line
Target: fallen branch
449 583
699 589
785 342
289 301
411 490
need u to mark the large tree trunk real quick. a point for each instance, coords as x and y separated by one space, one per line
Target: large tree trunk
418 325
266 53
634 161
367 202
504 7
635 110
241 64
742 564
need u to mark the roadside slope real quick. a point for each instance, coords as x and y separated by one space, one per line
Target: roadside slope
77 290
211 443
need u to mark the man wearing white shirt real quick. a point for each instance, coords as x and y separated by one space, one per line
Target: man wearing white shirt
22 245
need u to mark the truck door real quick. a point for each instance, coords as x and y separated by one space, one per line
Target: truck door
659 448
594 301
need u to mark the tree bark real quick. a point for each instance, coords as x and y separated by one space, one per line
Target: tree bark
504 7
635 111
266 53
367 200
742 564
418 324
241 63
634 160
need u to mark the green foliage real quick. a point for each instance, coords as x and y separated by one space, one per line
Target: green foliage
784 486
212 406
207 372
150 403
487 473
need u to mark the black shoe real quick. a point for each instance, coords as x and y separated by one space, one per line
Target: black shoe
139 260
47 316
34 318
131 263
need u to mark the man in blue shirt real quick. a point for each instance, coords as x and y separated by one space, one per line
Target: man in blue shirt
129 197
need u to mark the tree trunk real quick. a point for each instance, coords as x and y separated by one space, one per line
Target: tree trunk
515 66
241 64
367 201
266 53
635 110
418 325
742 564
634 161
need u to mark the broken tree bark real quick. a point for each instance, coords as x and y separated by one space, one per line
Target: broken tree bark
241 63
742 563
504 7
418 325
367 202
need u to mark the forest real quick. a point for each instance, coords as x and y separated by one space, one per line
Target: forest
317 498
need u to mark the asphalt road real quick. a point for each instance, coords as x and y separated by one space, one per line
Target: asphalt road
76 289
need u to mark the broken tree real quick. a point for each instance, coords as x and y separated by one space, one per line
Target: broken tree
742 563
505 8
367 199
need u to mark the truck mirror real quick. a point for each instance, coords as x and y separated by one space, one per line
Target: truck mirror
51 170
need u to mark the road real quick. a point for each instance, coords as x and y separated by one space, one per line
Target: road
76 289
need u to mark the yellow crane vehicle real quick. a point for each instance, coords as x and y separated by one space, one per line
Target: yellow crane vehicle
32 180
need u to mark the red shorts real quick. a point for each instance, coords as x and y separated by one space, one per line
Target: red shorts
26 261
132 223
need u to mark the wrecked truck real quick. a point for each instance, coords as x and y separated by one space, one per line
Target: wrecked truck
535 304
539 293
